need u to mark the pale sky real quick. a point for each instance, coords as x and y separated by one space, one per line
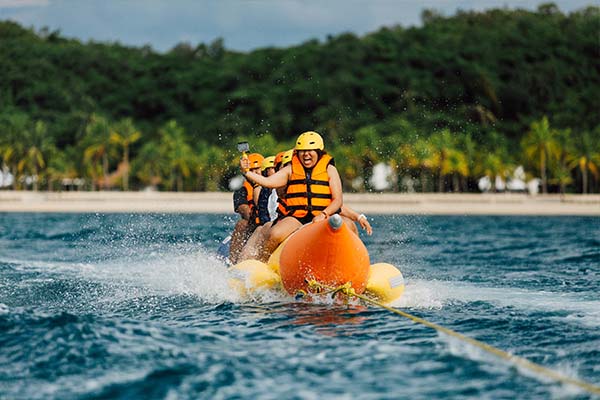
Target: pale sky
243 24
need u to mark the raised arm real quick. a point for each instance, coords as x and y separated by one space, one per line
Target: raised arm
278 179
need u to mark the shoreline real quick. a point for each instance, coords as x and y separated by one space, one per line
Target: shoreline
368 203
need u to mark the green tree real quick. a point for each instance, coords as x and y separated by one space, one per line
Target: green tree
414 158
177 153
456 165
124 134
61 166
585 155
96 149
441 144
149 165
493 164
540 144
36 146
559 162
13 126
476 72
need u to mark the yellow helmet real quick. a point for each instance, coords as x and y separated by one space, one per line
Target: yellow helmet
309 141
287 157
268 162
255 160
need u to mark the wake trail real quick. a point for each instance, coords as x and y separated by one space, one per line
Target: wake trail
422 294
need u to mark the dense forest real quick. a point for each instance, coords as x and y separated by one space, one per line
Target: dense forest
443 104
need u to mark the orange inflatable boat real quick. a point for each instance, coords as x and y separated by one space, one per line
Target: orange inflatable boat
327 252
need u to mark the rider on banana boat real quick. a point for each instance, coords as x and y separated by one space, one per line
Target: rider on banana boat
244 204
314 189
260 235
361 219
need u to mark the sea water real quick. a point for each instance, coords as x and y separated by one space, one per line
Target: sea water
118 306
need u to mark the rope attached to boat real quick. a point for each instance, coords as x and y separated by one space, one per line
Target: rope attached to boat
349 292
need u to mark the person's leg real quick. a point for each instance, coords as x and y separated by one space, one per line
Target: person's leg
238 238
277 234
252 247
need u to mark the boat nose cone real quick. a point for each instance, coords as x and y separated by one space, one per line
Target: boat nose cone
335 222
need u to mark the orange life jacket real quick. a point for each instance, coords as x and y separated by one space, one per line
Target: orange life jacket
250 200
281 207
308 191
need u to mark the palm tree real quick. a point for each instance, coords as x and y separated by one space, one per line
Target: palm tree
562 176
470 151
540 143
493 164
149 164
558 162
124 134
354 161
60 165
585 155
455 164
36 143
7 153
12 149
414 157
177 153
595 160
440 144
96 148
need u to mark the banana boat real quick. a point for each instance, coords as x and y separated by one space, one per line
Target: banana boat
327 252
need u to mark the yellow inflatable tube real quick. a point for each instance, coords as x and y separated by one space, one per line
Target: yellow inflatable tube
385 283
253 275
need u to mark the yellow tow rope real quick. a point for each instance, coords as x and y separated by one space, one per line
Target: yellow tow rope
349 292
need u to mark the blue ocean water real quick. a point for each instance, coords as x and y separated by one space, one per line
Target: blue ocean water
137 306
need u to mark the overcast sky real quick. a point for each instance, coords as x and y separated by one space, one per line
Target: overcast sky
243 24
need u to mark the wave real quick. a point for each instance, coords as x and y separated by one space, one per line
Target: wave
424 294
175 271
195 273
590 258
187 269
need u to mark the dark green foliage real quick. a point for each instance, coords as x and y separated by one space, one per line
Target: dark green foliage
476 73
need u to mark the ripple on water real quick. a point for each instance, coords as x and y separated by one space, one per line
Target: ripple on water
137 306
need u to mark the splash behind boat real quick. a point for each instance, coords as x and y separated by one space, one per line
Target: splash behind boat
326 252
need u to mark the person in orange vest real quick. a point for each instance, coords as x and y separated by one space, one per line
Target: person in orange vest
253 246
244 204
314 189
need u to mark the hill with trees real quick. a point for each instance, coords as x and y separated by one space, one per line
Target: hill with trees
443 104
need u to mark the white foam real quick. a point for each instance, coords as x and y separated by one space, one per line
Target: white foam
422 294
187 269
176 270
196 273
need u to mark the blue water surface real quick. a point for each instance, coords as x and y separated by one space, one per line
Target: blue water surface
119 306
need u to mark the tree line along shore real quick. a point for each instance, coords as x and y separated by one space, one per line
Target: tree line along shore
440 105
